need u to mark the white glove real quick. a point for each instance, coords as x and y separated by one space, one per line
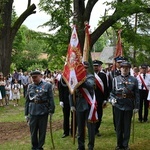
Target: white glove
113 101
27 119
135 110
104 103
61 104
51 114
73 108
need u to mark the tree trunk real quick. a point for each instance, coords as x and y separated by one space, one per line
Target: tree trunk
5 36
8 32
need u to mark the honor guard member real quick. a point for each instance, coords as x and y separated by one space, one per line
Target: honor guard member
114 73
101 92
39 104
125 99
64 103
85 107
144 86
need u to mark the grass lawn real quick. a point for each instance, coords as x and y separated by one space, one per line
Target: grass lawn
19 139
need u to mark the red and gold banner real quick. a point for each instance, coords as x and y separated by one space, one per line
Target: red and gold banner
74 72
86 48
119 50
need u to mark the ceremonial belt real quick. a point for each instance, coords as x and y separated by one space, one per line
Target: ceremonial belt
99 82
122 96
93 117
38 101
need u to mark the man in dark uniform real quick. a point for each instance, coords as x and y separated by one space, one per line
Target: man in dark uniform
114 73
144 86
101 92
116 69
39 104
64 103
82 108
125 99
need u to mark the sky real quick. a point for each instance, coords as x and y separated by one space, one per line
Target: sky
35 20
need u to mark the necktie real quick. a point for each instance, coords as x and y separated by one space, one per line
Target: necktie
144 75
143 80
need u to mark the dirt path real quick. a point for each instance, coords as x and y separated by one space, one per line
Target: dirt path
11 131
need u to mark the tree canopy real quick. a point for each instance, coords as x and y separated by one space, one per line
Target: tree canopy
65 13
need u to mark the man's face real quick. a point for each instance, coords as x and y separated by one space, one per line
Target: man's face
97 68
118 65
144 70
36 78
125 70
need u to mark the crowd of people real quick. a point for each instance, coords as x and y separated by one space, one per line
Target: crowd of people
16 84
126 88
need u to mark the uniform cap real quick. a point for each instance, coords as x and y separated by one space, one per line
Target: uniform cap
144 66
86 64
125 64
35 73
97 62
119 59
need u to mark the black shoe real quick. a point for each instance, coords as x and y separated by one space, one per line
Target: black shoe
64 135
119 148
126 148
97 133
140 120
80 148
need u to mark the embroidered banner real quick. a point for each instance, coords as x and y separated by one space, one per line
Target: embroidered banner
74 72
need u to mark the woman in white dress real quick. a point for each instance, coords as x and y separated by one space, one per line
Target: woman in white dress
16 92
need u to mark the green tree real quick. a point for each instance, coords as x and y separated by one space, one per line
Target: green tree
82 12
9 30
27 48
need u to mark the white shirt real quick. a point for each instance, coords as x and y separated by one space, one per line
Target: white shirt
146 81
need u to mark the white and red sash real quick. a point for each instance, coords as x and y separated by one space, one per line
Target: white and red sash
99 82
143 82
93 117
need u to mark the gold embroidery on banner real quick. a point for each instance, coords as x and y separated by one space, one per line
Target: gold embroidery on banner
74 58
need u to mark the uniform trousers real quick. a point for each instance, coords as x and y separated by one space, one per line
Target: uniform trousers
143 99
81 123
38 126
25 87
123 126
100 114
66 120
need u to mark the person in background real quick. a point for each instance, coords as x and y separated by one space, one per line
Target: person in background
134 71
46 72
64 103
125 99
144 86
16 92
50 79
15 76
39 105
7 89
101 92
25 82
20 76
2 89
